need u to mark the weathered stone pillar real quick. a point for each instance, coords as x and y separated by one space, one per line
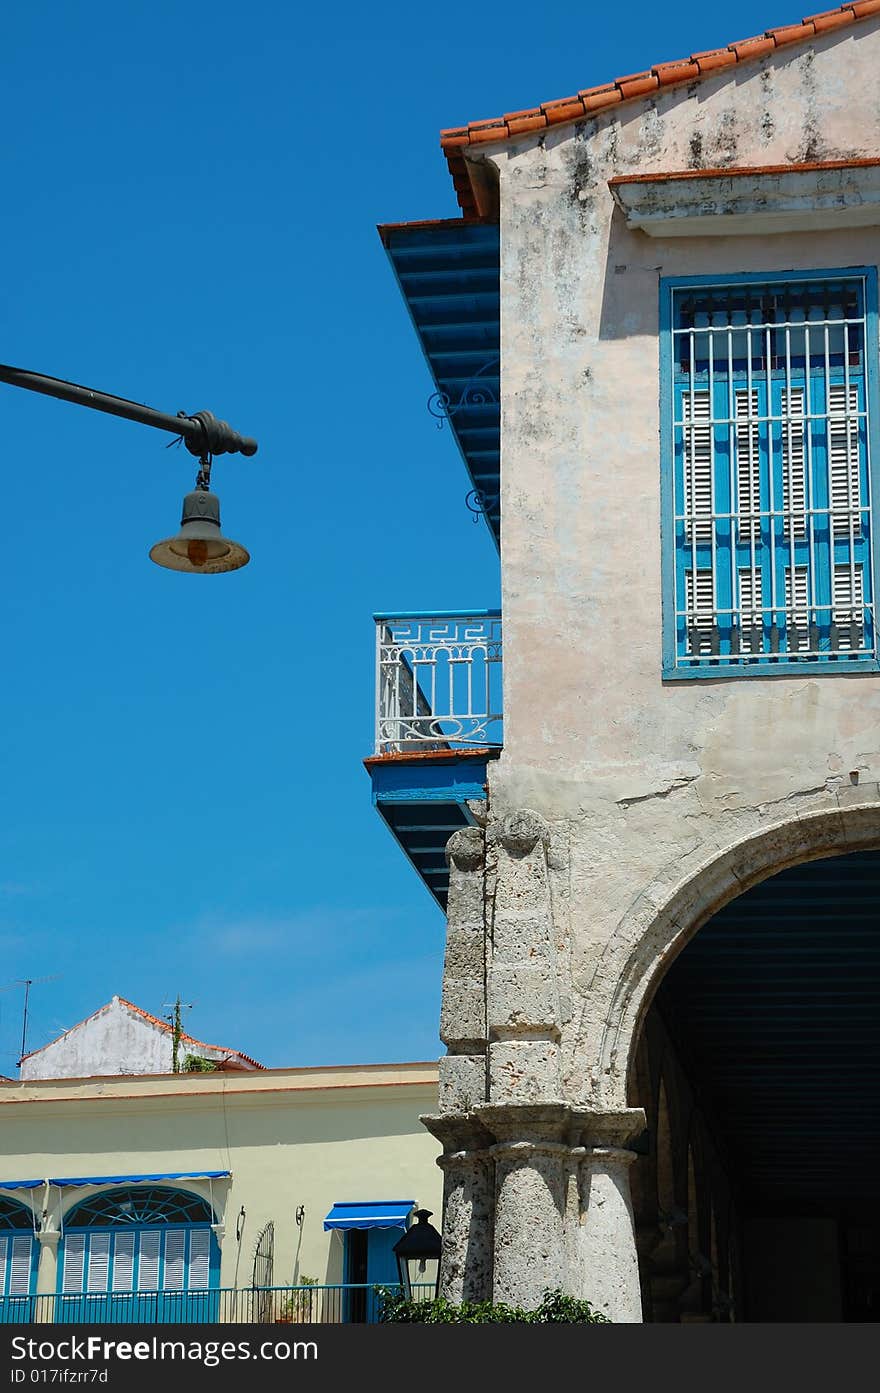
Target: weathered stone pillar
466 1264
523 990
468 1206
463 1003
604 1256
531 1162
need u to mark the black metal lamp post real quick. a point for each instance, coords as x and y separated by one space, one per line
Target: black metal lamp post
199 547
418 1255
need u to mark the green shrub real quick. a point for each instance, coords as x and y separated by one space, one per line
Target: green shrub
555 1307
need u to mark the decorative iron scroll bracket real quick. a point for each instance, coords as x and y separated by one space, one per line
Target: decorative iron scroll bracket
476 392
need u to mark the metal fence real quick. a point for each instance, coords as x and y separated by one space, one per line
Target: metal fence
344 1303
438 681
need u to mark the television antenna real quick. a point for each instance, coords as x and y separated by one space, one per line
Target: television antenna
27 983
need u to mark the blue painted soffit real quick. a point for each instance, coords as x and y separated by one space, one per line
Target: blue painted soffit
449 275
369 1214
423 803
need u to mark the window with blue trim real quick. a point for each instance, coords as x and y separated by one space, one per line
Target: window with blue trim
124 1248
18 1260
768 440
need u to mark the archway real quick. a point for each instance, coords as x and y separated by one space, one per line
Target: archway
767 1022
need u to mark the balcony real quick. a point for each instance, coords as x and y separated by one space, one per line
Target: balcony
438 723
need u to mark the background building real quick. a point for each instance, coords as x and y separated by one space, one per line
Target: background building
209 1195
121 1038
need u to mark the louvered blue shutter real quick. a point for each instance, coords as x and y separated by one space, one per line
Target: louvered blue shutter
198 1275
74 1263
148 1260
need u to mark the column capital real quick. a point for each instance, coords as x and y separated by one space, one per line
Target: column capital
49 1238
533 1122
457 1131
603 1129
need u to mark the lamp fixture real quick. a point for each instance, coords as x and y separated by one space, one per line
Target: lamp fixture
199 548
418 1258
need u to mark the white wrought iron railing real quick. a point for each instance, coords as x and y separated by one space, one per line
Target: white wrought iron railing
438 681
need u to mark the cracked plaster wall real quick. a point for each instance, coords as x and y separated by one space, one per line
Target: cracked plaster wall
646 785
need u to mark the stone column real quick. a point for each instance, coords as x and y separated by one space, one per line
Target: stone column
466 1263
523 989
463 1003
605 1260
467 1228
531 1161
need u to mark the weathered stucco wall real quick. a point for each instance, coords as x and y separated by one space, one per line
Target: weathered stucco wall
645 785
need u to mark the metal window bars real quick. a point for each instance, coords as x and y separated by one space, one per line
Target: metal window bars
772 509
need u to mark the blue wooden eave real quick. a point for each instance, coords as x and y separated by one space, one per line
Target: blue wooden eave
423 800
449 276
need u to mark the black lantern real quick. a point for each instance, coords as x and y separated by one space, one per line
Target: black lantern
418 1258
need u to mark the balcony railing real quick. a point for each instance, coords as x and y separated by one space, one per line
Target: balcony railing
344 1303
438 681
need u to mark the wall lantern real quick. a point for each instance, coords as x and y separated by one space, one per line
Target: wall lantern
199 547
418 1258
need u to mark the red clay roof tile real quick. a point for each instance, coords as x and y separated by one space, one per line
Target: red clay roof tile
595 99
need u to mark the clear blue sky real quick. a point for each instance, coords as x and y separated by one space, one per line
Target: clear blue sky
189 199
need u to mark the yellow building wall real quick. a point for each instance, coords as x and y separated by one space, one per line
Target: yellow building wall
289 1138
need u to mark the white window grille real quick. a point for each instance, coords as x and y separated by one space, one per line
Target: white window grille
438 682
771 470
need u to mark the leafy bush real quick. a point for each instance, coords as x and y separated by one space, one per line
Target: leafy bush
555 1307
197 1064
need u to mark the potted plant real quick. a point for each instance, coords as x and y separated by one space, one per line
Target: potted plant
297 1307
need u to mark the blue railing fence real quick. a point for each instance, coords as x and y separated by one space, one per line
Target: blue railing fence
331 1304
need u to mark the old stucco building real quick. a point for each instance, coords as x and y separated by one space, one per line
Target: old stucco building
659 309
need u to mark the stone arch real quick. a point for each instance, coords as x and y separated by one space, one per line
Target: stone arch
670 911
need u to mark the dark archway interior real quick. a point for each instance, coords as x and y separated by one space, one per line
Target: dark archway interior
773 1010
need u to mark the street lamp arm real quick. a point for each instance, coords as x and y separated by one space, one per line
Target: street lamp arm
202 433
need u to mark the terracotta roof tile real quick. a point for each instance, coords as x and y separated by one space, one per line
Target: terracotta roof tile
596 99
755 47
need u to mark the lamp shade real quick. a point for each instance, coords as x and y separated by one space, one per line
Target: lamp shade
200 546
418 1258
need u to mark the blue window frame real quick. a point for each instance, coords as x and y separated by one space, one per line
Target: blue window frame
769 418
139 1255
18 1262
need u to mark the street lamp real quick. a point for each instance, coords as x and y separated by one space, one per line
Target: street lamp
199 547
418 1255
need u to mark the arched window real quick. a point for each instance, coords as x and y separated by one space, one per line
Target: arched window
139 1253
18 1261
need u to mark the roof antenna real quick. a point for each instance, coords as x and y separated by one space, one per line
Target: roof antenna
27 983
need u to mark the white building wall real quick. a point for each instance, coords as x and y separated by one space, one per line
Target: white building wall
116 1040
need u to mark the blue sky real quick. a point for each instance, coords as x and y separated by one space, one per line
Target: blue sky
190 194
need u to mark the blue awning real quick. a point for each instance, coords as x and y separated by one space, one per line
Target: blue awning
130 1179
370 1214
20 1184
